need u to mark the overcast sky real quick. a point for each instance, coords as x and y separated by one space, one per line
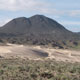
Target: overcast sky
66 12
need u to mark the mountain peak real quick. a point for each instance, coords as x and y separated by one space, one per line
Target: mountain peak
38 16
20 19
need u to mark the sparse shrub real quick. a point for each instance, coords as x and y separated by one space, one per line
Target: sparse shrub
11 69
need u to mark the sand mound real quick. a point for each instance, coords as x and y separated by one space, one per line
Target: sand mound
37 53
20 51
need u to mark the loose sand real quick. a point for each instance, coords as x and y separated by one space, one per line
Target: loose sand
37 53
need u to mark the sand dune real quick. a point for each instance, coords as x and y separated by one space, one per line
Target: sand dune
37 52
20 51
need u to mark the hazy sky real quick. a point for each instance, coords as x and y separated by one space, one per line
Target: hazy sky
66 12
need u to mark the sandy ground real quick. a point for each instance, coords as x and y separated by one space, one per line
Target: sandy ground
37 53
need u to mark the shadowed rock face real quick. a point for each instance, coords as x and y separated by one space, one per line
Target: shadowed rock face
36 29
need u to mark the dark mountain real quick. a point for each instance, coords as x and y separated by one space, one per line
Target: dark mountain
35 24
37 29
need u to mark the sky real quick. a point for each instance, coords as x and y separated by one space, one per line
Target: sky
66 12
